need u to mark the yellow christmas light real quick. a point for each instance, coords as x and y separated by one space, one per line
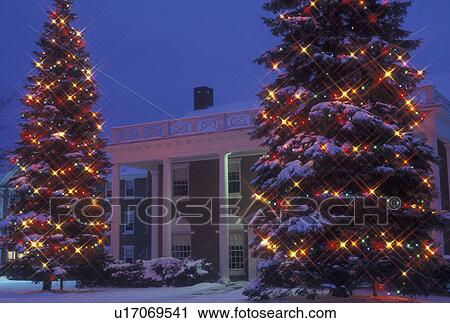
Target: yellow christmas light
345 94
398 133
60 134
265 242
285 122
388 74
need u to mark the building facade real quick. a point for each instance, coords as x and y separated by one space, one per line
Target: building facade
7 198
209 154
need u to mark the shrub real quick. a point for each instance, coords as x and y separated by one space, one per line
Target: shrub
158 272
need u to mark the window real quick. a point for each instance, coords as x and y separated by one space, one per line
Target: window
234 177
181 246
444 173
180 181
108 191
12 255
181 239
12 198
446 245
129 188
129 222
128 254
237 252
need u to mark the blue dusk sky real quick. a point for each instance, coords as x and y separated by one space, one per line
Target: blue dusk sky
150 54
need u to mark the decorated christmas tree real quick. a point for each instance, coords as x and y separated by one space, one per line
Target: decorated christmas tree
59 155
338 124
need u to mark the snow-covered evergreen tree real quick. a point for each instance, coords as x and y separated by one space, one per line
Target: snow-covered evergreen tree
338 122
60 154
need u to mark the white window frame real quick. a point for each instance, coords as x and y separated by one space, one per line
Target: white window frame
181 250
235 162
130 218
1 206
181 239
445 249
108 188
174 169
11 255
11 197
126 188
236 267
130 249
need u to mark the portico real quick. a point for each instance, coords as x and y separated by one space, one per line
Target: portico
213 139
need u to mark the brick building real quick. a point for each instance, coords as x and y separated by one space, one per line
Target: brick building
209 153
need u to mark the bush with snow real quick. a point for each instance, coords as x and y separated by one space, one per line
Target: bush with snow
158 272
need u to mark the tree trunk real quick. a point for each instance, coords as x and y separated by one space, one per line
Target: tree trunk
374 289
47 285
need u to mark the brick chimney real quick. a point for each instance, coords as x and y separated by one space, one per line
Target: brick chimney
203 98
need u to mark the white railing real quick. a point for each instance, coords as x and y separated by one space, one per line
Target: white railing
425 96
185 126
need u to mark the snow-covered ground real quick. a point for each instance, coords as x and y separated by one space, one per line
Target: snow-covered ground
26 292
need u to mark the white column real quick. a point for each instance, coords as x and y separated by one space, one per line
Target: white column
436 202
155 219
224 235
447 147
116 212
252 261
167 226
432 141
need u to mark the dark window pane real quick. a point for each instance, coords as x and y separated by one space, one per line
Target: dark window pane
234 187
181 252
